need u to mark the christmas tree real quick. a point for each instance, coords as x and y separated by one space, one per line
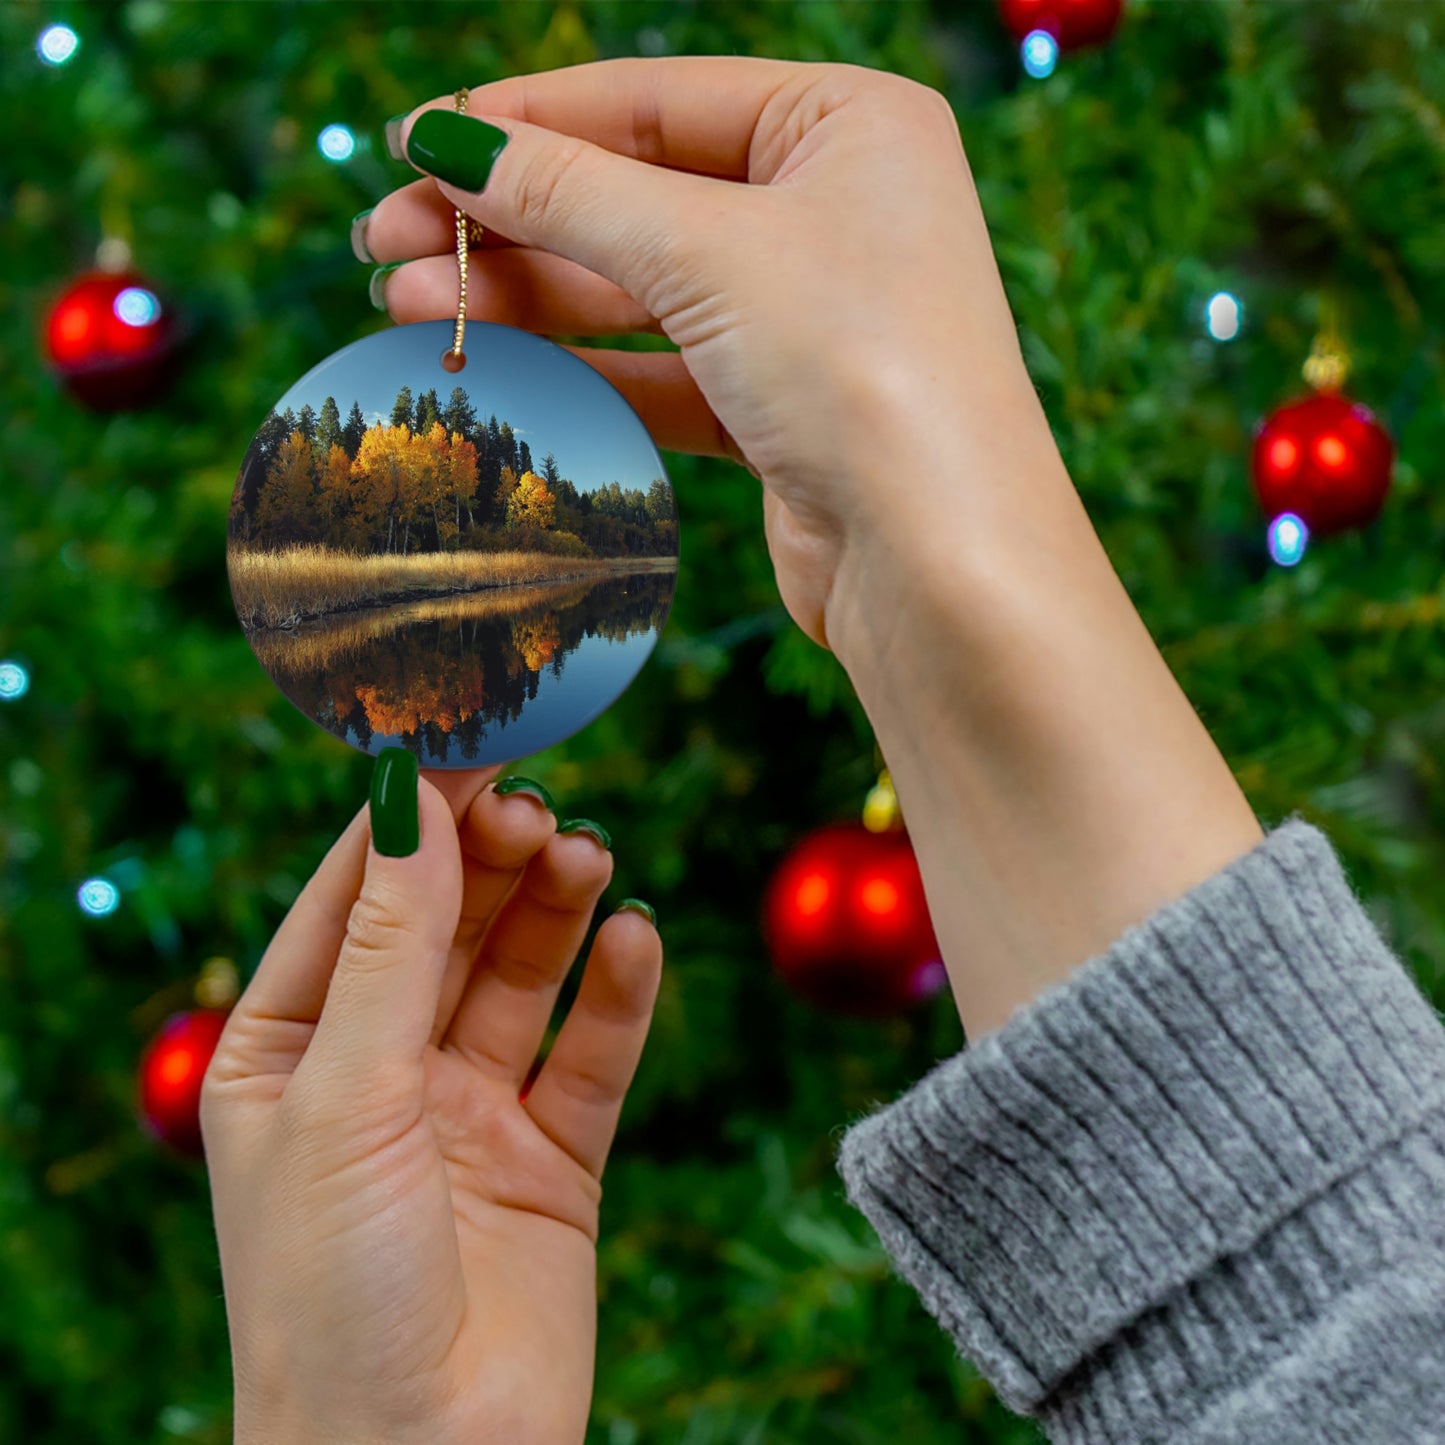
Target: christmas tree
1283 158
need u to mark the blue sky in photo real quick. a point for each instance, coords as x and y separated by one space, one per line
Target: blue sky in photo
554 400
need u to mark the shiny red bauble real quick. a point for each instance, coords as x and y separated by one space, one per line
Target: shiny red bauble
112 340
847 924
1326 459
1073 23
171 1071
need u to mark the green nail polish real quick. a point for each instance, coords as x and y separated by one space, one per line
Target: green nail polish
376 288
586 825
359 247
515 784
393 136
395 825
455 148
636 905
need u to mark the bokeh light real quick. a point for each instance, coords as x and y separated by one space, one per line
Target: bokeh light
137 307
1288 538
1223 316
14 681
98 897
57 44
336 143
812 895
1040 54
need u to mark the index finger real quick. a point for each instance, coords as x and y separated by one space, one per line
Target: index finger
694 113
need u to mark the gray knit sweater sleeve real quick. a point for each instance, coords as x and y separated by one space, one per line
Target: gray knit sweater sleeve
1196 1192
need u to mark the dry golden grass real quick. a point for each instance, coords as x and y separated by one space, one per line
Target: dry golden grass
282 589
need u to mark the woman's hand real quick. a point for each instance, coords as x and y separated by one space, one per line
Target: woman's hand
844 332
833 315
408 1247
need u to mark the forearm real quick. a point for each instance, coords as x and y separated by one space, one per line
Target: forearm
1057 784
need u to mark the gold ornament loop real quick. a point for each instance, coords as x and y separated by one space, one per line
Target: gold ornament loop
880 808
1328 365
219 985
469 231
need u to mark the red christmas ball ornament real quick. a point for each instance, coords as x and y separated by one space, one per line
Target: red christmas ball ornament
1073 23
111 340
1324 458
171 1071
847 923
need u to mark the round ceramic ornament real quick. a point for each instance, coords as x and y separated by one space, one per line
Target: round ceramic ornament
466 553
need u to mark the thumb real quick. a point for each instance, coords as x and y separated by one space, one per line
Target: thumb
382 999
621 218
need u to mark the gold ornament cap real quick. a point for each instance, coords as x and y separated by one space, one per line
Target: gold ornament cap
880 807
219 985
1328 366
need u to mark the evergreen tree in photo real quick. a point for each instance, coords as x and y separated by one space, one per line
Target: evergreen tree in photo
524 457
402 412
551 475
328 428
428 411
354 430
459 415
660 505
306 422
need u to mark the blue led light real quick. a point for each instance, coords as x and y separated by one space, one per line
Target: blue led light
98 897
14 681
1223 316
57 44
1288 538
1040 54
336 143
137 307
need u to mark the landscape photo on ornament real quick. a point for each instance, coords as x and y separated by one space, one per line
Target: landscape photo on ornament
470 571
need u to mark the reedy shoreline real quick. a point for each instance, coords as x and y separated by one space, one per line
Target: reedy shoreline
281 590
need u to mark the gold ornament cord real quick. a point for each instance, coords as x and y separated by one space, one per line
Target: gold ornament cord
467 230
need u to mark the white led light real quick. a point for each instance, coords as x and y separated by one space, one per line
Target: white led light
57 44
1040 54
1223 316
336 143
14 681
98 897
137 307
1288 537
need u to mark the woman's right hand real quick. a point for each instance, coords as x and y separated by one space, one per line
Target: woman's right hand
835 316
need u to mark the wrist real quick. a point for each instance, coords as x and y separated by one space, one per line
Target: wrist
1057 784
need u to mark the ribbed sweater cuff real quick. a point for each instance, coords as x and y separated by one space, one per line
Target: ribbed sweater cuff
1173 1125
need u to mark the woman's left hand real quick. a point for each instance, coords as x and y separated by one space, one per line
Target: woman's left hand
407 1244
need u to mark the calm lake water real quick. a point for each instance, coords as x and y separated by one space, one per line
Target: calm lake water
467 681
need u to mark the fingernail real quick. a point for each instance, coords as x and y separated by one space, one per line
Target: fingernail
395 825
393 136
636 905
376 288
359 248
458 149
586 825
531 789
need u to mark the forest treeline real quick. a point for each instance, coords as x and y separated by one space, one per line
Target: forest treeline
431 478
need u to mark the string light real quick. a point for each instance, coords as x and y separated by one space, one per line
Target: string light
336 143
57 44
137 307
14 681
1223 316
1040 53
1288 538
98 897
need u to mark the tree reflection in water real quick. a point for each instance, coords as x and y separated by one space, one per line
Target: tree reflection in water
436 674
